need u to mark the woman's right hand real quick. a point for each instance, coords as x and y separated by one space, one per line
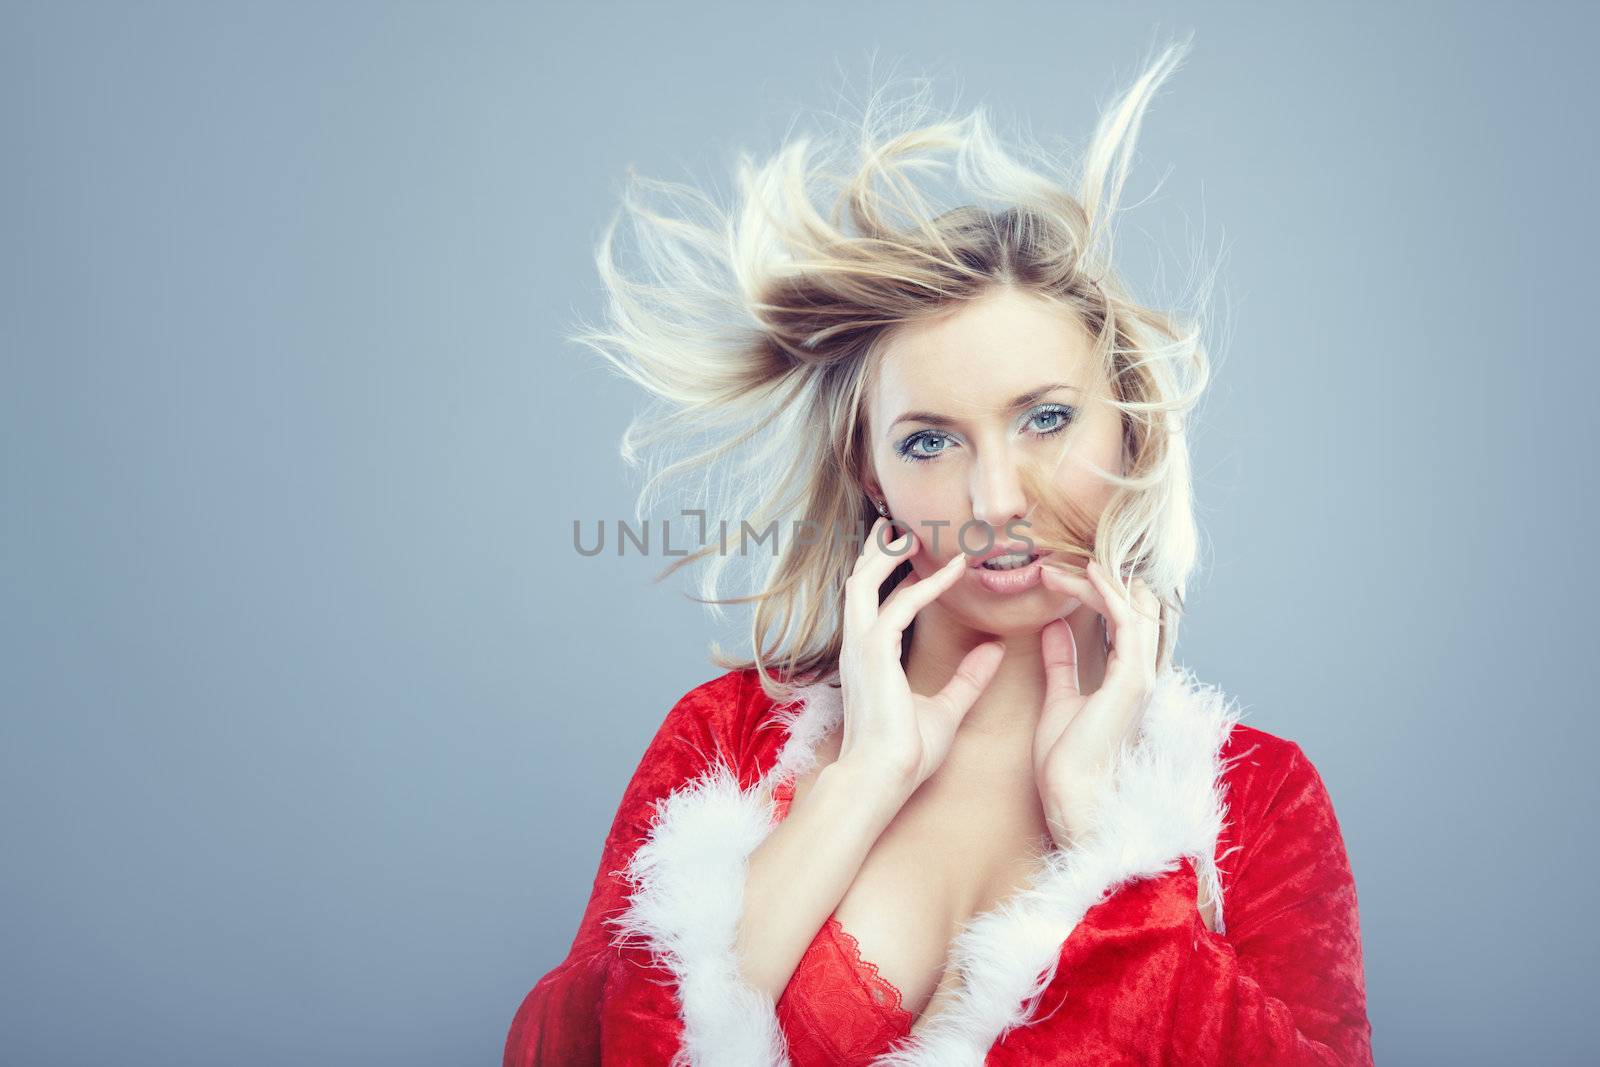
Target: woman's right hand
888 729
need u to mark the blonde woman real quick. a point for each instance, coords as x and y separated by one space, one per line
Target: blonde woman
960 806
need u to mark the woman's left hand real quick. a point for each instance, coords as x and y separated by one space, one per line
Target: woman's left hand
1077 735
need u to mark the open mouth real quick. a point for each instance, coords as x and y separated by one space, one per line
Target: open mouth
1012 562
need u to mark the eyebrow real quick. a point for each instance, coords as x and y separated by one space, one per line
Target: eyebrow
933 418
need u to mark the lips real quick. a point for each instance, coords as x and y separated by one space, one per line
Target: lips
1007 549
1009 582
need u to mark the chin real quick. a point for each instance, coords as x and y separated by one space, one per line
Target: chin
1014 616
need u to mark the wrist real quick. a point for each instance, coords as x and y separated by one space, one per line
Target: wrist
1062 832
872 790
1066 812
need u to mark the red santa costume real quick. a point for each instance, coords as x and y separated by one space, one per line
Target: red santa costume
1103 957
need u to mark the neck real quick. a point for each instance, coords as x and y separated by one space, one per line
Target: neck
1008 707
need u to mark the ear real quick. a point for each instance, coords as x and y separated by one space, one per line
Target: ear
868 480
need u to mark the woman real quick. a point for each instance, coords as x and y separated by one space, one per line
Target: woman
960 807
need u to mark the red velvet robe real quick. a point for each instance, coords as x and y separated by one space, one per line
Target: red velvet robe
1102 958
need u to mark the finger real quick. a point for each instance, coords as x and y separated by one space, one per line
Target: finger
1118 613
1141 621
1131 665
883 548
1145 599
975 671
1116 599
878 559
1078 585
903 605
1148 607
1060 649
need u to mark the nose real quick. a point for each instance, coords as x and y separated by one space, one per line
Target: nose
997 492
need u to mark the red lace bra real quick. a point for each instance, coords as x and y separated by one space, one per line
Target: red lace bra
837 1009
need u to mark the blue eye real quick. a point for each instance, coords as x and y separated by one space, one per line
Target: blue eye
1061 411
906 449
1056 417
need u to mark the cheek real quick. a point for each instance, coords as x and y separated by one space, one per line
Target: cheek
935 511
1100 446
1084 486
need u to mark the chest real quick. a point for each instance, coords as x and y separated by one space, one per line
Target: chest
963 842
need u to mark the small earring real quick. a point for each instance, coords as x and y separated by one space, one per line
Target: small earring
883 508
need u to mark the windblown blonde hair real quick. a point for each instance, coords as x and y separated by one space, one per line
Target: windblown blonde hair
757 330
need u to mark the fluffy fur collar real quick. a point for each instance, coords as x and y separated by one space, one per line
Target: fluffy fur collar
1163 801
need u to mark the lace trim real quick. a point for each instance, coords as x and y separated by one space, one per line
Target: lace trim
783 793
884 992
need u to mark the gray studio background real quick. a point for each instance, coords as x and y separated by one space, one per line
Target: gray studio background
313 719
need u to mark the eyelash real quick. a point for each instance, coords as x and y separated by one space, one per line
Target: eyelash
904 448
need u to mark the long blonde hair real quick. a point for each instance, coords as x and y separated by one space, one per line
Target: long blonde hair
756 330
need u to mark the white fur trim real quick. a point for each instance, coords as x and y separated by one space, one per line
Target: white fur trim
689 892
1162 801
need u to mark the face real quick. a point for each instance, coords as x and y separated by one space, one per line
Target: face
958 407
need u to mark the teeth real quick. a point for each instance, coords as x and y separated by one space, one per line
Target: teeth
1005 563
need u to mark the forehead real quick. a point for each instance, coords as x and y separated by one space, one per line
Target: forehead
974 360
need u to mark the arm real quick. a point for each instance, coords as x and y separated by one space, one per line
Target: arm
800 873
1285 984
559 1021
